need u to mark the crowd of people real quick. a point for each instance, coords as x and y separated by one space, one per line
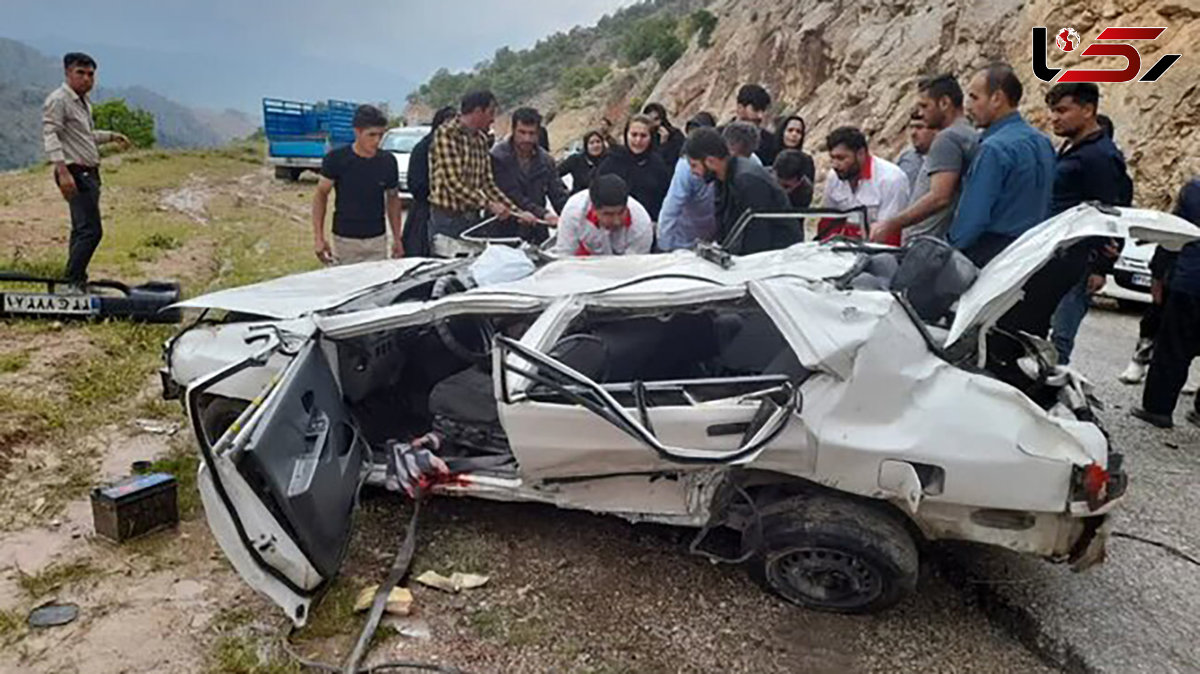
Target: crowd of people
976 175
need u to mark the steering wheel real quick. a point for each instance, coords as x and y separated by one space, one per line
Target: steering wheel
456 332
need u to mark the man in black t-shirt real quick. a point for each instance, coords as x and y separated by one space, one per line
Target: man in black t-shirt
365 180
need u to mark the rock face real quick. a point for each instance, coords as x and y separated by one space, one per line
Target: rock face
858 61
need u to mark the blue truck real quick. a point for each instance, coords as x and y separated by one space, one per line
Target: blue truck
299 133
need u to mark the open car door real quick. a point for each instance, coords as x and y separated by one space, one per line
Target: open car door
279 486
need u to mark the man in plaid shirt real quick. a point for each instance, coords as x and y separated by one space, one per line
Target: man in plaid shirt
460 165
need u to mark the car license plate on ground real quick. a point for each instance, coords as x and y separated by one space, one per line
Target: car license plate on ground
43 303
1142 280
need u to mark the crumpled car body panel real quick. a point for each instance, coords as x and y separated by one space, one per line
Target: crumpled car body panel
879 413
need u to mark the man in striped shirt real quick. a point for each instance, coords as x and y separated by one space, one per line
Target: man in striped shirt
460 164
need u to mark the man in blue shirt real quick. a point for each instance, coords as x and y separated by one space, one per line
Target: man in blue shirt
1008 186
688 213
1178 340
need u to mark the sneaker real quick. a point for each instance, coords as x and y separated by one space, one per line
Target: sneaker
1134 373
1159 420
1193 417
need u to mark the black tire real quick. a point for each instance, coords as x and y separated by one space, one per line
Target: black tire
296 173
218 415
836 555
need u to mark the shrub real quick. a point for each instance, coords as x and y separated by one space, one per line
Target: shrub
703 22
575 81
135 123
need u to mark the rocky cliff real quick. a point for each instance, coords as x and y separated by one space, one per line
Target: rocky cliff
858 61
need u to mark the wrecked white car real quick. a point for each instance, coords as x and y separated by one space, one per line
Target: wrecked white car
835 425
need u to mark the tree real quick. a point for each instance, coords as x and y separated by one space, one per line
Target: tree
135 123
704 22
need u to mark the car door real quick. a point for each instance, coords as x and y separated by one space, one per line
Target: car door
279 486
561 423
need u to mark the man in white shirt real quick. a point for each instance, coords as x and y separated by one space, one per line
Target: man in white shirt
858 178
604 220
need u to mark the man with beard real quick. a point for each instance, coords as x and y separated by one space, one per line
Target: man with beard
859 178
460 166
742 185
1008 185
912 159
525 172
688 213
940 102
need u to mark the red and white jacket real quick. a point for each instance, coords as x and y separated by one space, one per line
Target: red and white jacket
580 235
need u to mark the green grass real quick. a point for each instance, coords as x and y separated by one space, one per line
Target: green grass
27 416
104 379
454 549
10 625
43 266
246 655
13 362
157 408
502 623
55 576
182 462
334 616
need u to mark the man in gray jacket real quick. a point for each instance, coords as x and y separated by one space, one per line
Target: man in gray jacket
526 173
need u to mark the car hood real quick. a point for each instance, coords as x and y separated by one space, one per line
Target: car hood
301 294
1000 283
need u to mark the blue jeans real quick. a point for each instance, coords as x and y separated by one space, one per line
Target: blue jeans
1067 319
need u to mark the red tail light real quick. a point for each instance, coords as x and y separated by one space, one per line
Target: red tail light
1095 485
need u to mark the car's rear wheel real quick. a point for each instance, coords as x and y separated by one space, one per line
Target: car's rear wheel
836 555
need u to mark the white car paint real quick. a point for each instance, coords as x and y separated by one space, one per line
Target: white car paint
876 406
400 141
1132 265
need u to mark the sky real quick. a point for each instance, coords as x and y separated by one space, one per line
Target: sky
230 53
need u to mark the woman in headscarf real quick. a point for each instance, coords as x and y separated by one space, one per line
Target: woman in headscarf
791 137
581 165
642 169
666 139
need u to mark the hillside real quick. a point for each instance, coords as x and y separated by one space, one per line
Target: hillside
857 62
27 75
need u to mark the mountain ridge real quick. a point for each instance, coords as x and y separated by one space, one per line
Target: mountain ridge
858 61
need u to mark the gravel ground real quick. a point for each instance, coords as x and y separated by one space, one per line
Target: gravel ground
575 592
1140 610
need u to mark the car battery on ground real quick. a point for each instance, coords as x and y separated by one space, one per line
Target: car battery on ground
135 506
